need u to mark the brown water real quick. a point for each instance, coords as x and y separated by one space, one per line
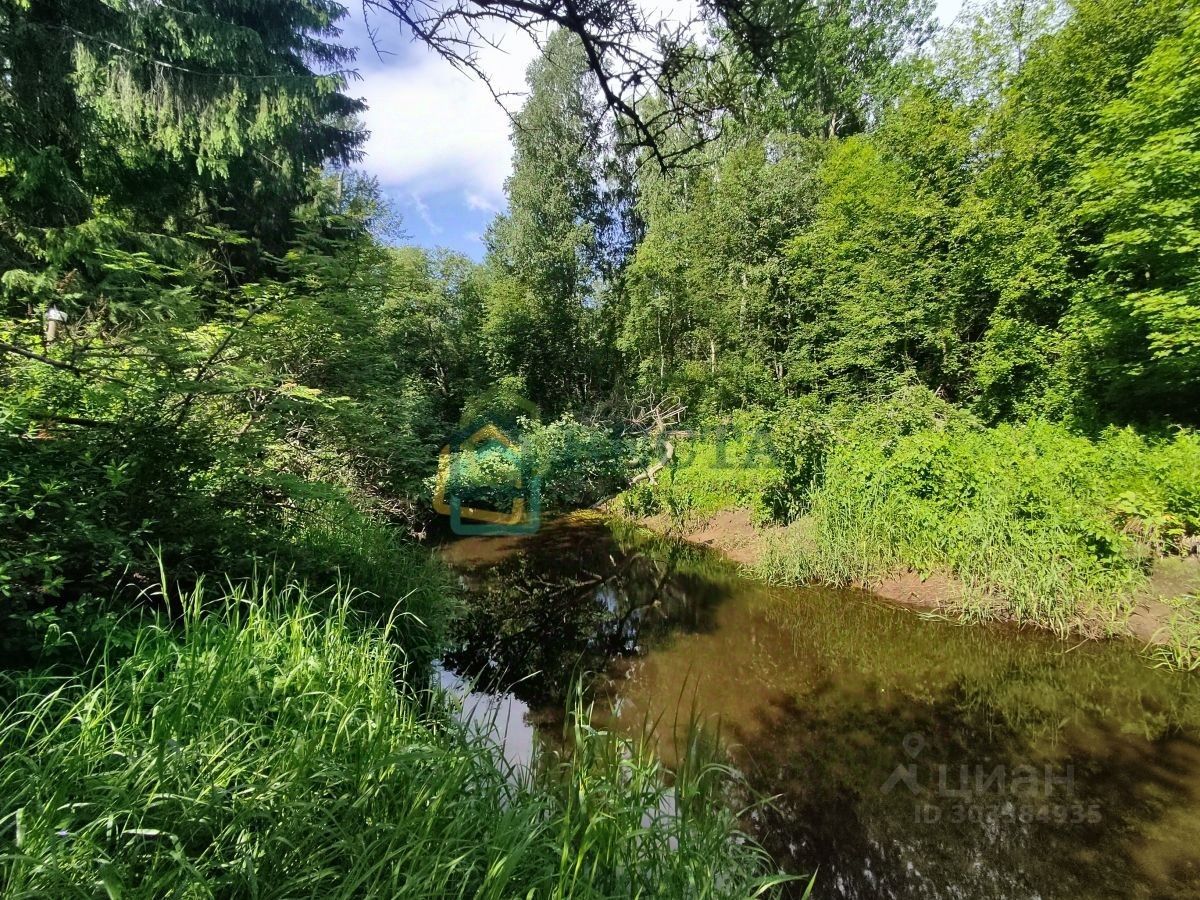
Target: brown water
907 757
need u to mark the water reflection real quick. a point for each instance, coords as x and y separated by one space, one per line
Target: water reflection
573 602
908 757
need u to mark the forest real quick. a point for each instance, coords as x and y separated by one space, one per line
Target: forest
919 298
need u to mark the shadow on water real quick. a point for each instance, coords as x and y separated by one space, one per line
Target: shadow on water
907 757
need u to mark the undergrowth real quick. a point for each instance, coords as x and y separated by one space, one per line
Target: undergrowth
1037 523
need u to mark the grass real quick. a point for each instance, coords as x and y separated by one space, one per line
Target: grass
1180 647
336 543
274 743
1034 522
1037 524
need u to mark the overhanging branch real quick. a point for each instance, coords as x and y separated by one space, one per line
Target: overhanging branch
631 57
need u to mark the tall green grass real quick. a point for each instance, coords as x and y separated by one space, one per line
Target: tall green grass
1036 523
333 544
322 541
1033 521
275 744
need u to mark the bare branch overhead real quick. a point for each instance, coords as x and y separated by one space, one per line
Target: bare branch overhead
633 57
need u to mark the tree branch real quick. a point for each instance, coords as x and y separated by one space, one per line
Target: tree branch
632 58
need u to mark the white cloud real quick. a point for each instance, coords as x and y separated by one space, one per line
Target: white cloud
480 203
435 129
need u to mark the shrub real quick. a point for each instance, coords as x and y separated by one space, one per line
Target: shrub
726 463
579 464
575 465
1039 523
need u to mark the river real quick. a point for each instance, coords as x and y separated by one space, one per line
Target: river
904 756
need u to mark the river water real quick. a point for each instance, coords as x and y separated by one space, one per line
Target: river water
904 756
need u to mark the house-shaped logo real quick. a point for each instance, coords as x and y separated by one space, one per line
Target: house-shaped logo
516 484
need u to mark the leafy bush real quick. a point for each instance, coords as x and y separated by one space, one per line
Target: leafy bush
84 510
490 476
573 464
723 464
579 464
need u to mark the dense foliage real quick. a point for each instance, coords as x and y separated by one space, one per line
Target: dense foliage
215 369
1015 230
930 298
1038 523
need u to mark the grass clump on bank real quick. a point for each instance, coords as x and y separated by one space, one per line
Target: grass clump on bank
273 744
1035 522
1038 524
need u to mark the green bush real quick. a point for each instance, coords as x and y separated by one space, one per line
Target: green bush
89 510
726 463
572 464
579 464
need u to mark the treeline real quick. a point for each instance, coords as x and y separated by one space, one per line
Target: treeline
1004 213
1001 215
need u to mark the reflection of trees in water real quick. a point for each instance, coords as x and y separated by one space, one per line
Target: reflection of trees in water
572 603
827 769
816 693
1026 680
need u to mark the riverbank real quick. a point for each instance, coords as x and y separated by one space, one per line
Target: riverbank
272 735
733 534
817 695
1034 523
1151 612
1153 607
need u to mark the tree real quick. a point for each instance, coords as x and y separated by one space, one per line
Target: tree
546 250
1139 187
708 315
828 67
178 115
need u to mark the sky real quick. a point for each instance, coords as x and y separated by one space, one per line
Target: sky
439 142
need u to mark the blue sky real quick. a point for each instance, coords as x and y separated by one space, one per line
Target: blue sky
439 142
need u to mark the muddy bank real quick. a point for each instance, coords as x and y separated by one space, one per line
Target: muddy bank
734 534
731 532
